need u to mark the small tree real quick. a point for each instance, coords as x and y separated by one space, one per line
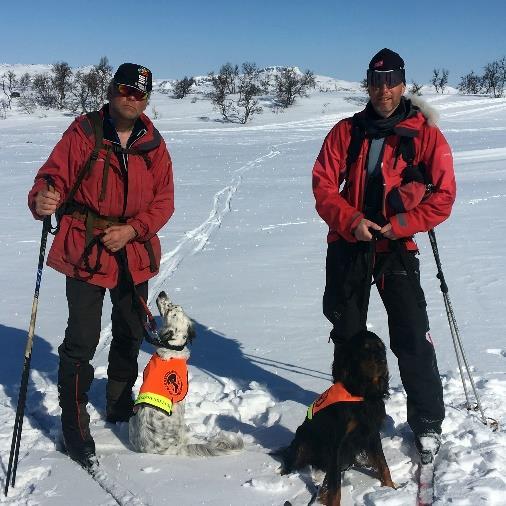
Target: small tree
89 89
62 81
363 84
8 83
415 89
470 84
24 83
86 91
44 92
229 74
439 79
249 88
443 80
494 78
102 77
289 85
435 79
220 96
183 87
265 84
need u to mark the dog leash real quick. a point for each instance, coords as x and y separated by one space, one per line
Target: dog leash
146 317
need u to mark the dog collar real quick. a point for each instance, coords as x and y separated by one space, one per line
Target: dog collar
152 337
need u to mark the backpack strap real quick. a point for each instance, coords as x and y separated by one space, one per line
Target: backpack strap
95 120
105 174
406 149
418 173
356 139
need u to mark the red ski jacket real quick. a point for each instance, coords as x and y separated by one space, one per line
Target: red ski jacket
342 209
143 197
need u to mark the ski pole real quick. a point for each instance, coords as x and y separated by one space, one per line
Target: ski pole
20 410
457 342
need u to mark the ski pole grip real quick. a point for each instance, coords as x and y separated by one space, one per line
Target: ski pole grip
46 223
50 182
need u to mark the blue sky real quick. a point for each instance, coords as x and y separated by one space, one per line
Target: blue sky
335 38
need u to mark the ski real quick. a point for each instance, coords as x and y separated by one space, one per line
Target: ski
120 494
425 478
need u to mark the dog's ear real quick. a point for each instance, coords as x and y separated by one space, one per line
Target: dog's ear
163 303
191 332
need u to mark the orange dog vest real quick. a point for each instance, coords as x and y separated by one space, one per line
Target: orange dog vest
165 382
336 393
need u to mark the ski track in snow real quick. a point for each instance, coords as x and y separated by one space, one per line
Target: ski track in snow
480 154
195 240
460 104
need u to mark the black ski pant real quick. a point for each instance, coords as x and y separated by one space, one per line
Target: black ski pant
350 268
75 373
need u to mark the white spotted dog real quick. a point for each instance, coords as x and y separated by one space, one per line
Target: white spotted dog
158 423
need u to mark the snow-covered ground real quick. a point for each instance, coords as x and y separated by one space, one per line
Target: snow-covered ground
244 255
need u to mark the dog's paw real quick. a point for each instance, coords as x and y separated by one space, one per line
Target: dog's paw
390 484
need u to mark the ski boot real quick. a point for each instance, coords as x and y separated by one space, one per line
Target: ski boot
77 439
427 444
119 401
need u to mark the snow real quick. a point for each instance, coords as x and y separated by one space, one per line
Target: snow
244 255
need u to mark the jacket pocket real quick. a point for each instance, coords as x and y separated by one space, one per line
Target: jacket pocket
96 258
140 259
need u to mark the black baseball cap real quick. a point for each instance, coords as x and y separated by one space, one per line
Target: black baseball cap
136 76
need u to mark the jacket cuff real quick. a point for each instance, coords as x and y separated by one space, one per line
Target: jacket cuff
355 220
139 227
31 200
400 226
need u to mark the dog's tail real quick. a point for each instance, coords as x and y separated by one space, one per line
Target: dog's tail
221 444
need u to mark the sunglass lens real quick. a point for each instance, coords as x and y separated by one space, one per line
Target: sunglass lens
390 79
128 91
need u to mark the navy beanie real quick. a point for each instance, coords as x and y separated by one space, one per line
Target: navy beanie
385 60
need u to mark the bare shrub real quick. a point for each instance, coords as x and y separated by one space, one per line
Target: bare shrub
290 84
183 87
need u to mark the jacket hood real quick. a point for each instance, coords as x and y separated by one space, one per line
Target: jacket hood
418 113
430 113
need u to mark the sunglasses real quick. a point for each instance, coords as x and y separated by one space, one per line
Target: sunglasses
129 91
391 78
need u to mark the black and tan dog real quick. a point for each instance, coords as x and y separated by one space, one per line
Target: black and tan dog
342 425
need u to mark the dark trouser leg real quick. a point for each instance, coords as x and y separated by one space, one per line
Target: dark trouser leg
75 374
347 289
127 335
410 342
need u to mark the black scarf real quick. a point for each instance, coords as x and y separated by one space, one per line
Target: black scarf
377 127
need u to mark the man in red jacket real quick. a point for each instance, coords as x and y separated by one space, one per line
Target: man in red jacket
108 216
396 172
